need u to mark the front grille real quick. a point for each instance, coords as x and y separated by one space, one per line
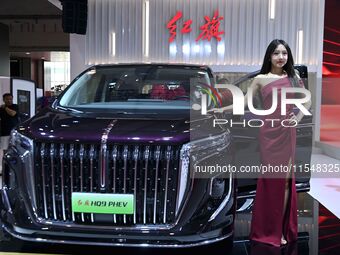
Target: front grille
150 172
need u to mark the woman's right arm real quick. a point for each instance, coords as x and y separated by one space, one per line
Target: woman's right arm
253 89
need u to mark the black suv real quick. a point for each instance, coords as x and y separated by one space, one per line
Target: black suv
110 162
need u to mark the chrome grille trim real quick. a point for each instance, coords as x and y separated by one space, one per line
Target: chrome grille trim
114 157
42 152
102 166
91 173
149 172
103 155
146 157
71 172
62 180
135 158
81 163
81 157
157 156
168 154
125 156
53 181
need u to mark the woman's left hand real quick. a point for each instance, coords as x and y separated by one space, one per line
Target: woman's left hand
293 118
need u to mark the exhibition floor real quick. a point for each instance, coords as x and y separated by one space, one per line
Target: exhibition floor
319 231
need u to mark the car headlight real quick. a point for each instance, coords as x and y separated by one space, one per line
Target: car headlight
197 151
209 146
23 147
20 142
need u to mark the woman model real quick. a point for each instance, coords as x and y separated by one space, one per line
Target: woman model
274 218
275 210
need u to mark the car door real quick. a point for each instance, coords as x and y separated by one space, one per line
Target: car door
246 145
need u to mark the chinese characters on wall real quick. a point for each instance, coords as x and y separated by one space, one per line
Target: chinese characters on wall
207 31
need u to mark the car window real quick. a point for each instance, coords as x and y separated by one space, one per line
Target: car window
128 87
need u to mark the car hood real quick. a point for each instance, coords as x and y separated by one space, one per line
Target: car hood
56 126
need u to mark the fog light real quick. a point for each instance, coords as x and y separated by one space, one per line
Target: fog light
217 188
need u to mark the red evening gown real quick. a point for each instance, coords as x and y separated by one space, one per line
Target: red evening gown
277 147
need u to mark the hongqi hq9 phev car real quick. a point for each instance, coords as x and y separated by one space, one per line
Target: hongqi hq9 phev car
109 162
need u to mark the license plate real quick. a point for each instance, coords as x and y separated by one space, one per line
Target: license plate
102 203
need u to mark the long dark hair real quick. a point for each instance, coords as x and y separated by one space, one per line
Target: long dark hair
288 67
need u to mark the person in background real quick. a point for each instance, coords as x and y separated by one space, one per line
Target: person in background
9 115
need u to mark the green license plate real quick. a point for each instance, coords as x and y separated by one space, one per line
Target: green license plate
102 203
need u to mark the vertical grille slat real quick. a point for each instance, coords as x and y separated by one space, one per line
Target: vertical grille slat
157 157
53 184
81 158
125 159
71 173
91 173
61 155
42 151
114 158
135 158
81 172
168 154
148 171
146 158
103 166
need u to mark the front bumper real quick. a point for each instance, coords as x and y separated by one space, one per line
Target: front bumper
118 239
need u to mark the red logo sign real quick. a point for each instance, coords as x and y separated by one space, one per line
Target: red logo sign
209 30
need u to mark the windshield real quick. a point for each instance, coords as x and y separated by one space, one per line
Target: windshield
144 87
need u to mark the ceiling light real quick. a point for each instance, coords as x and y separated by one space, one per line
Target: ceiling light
272 9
